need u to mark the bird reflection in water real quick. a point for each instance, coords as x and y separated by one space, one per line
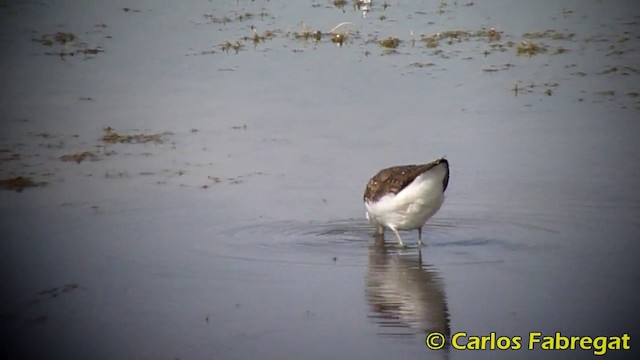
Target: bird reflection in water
406 297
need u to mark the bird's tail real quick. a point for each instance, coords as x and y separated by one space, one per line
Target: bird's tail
445 181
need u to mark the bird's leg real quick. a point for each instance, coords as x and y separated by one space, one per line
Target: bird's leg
378 231
419 236
398 237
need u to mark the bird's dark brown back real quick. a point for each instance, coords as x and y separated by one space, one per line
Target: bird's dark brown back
394 179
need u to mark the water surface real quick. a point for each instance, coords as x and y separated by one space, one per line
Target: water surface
240 232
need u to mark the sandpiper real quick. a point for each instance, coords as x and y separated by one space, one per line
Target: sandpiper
405 197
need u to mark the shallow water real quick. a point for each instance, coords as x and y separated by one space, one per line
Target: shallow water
242 234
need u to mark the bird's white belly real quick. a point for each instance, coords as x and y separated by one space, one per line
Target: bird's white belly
411 207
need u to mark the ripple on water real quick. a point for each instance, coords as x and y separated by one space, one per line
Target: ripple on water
346 242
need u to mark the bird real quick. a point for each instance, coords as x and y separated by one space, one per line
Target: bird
405 197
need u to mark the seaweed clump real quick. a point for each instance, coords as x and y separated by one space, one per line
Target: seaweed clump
112 137
79 156
18 183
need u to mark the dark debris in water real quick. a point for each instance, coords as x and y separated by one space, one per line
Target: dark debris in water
57 145
19 183
59 38
549 34
112 137
80 156
338 39
40 297
546 89
68 44
452 37
240 179
340 4
421 65
14 179
232 180
390 42
622 70
56 291
10 156
115 174
529 48
607 93
238 16
235 45
495 68
307 33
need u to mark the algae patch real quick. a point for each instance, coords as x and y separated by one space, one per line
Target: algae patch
18 183
80 156
112 137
